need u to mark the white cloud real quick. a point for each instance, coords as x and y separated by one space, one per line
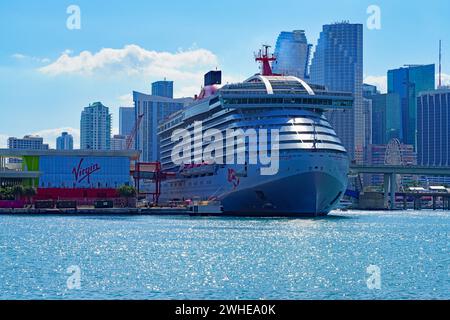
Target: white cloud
134 60
126 100
185 67
20 56
379 81
50 135
445 79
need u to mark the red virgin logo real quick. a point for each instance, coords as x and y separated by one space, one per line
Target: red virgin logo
233 179
82 174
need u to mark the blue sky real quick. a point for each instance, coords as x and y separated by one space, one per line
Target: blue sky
48 73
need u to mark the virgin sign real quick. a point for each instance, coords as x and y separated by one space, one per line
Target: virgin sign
84 173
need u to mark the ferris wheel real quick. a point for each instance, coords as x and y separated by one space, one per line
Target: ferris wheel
393 155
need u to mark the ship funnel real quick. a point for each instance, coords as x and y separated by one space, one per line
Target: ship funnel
213 77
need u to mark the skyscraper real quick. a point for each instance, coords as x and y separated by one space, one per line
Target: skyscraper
408 82
126 120
163 89
369 90
155 109
368 121
64 142
433 128
386 118
338 65
292 52
95 127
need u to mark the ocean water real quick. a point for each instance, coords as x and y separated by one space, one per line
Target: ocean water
151 257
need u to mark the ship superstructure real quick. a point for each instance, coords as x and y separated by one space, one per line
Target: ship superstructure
312 163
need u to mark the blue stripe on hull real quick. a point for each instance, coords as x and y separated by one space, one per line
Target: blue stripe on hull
306 194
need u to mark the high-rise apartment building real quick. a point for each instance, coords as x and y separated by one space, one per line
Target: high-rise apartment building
293 54
64 142
95 127
338 65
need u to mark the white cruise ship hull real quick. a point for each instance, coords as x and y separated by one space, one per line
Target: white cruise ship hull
307 184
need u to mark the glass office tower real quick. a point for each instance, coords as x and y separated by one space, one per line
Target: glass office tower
408 82
386 118
163 89
154 110
292 52
126 120
338 65
433 128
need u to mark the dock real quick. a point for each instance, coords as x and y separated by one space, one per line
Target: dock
162 211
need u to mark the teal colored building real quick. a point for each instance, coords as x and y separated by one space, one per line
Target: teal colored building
408 82
386 118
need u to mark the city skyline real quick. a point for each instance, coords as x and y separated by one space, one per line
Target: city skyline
36 65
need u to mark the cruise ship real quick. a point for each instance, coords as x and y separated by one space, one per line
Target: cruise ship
313 165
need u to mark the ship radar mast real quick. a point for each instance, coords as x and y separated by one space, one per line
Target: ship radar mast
265 59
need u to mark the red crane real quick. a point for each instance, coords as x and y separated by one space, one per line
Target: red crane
132 137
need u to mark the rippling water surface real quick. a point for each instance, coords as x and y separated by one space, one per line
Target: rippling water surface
146 257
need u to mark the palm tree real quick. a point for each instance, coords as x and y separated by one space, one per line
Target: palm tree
18 191
29 193
127 192
6 194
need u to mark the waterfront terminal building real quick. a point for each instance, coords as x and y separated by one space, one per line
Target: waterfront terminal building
68 174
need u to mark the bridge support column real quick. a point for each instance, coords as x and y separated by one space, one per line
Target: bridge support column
386 191
393 187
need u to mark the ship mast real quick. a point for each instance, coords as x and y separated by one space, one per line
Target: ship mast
265 59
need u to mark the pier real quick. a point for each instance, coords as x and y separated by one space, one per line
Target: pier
418 196
162 211
390 173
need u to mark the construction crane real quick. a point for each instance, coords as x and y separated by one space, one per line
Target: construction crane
132 137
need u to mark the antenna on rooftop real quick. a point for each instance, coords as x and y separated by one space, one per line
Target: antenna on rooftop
440 63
